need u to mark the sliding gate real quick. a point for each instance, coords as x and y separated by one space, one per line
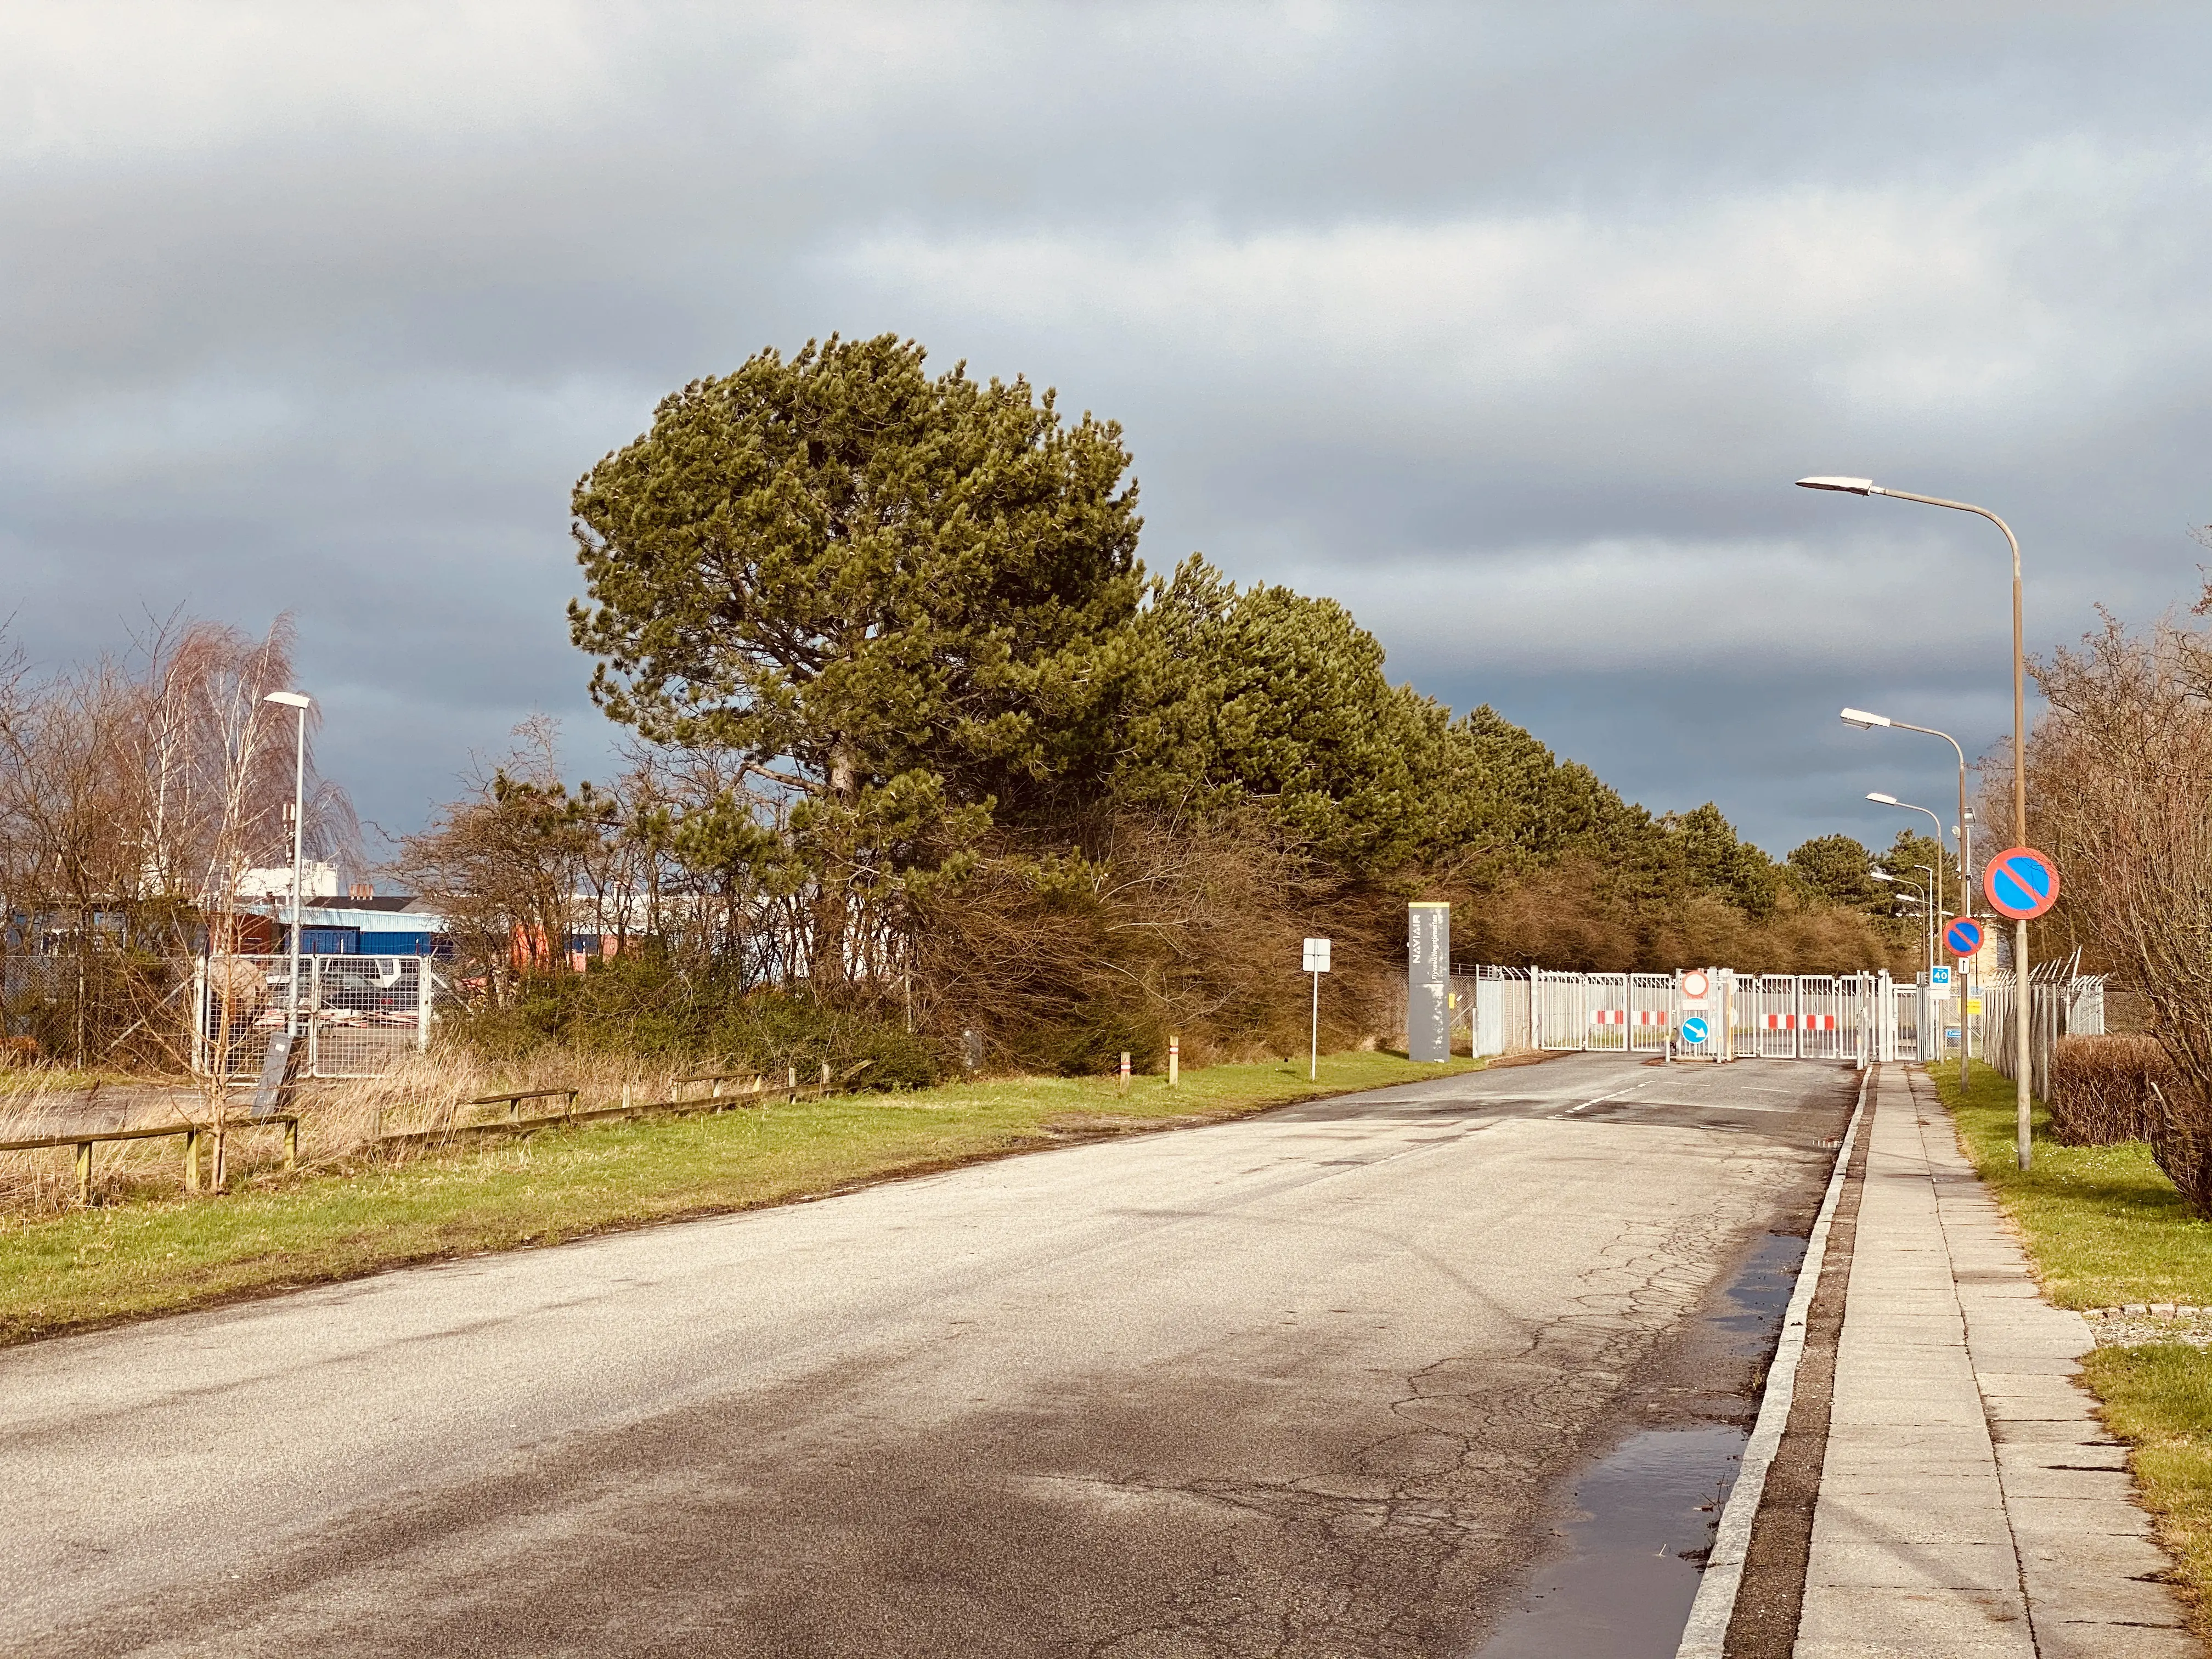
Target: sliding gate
1848 1018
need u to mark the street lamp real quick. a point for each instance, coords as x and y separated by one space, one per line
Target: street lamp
295 700
1963 832
1919 892
1877 796
1964 829
1867 487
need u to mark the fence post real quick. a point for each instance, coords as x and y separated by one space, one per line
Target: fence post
291 1143
791 1084
192 1160
84 1172
825 1076
425 984
198 1016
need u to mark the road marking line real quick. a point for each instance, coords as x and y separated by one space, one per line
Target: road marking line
1601 1099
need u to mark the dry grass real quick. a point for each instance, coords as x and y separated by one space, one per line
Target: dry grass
339 1119
270 1230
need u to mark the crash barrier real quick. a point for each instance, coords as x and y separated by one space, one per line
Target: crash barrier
357 1016
759 1091
83 1141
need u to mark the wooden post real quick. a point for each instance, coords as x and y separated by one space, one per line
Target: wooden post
1175 1062
84 1172
1124 1085
291 1143
192 1160
791 1083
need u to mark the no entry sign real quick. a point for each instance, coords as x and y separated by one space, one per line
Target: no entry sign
1962 936
2020 883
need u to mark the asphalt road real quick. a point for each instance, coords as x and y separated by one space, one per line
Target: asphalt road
1312 1382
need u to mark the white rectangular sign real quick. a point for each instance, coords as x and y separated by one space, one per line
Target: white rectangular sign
1316 956
1941 979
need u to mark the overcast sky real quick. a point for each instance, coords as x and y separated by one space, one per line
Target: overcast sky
1507 325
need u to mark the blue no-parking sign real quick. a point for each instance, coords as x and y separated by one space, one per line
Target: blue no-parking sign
2021 882
1695 1031
1962 936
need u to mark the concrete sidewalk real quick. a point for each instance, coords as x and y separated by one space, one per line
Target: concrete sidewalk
1970 1503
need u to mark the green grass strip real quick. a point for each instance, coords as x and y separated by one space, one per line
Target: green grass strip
2103 1224
95 1265
2159 1399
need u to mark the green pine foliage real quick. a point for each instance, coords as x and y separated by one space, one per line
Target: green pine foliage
956 735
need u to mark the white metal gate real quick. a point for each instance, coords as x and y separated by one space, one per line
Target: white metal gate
1848 1018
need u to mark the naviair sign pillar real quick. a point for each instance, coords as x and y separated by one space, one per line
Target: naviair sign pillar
1428 981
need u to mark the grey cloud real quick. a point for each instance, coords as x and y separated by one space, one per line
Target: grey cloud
1507 325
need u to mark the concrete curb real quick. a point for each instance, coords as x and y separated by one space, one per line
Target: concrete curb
1706 1632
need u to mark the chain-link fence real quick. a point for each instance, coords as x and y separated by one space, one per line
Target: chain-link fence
2061 1003
355 1015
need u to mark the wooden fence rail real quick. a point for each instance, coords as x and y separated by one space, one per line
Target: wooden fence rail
85 1139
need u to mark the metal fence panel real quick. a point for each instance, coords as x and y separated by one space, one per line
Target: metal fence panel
359 1014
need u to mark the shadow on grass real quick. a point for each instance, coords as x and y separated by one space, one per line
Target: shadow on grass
2103 1224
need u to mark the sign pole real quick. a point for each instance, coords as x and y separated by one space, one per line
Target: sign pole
2020 883
1312 1059
1316 963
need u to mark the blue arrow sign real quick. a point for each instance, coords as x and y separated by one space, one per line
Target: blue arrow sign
1695 1031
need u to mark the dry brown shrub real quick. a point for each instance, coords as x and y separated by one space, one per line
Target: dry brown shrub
2120 780
1158 928
2102 1089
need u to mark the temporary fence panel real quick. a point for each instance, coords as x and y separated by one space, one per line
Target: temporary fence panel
358 1015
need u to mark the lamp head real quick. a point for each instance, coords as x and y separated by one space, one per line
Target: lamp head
1845 486
1880 875
1860 718
289 699
1886 800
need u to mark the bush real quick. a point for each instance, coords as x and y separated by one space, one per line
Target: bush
643 1006
2102 1089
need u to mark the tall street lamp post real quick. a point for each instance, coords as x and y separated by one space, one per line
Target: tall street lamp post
1867 487
1879 799
1963 833
293 700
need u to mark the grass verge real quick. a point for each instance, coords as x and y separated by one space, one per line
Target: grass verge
2103 1224
2104 1227
2159 1399
93 1266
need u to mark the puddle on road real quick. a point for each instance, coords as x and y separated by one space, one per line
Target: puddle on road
1643 1516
